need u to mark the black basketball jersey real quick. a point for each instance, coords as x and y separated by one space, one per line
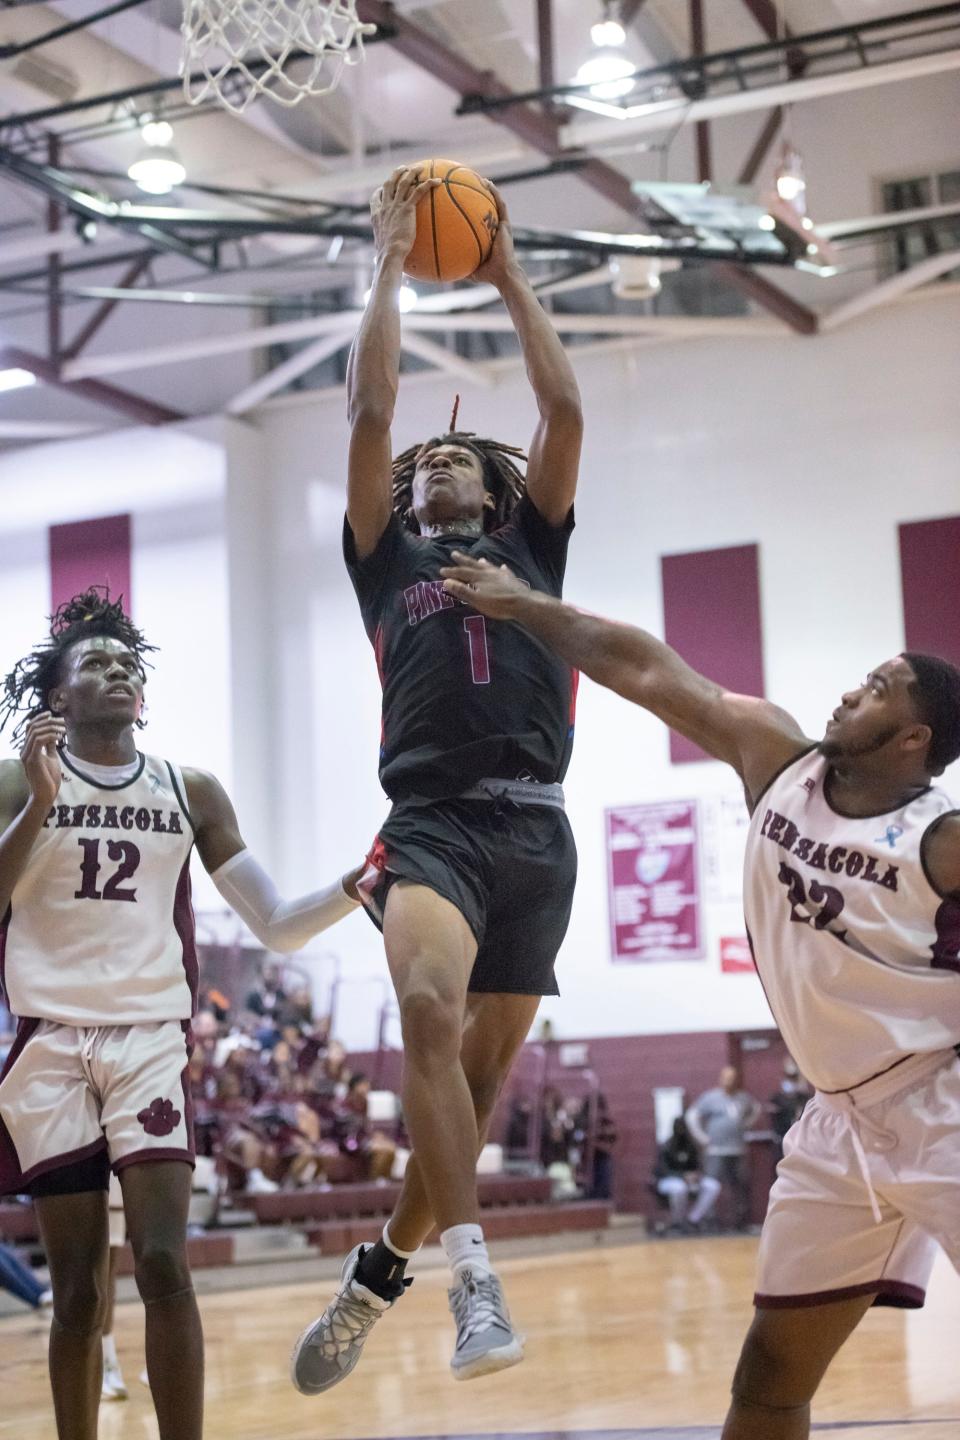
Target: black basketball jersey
464 697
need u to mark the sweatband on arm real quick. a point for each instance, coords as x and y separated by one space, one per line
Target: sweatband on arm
278 924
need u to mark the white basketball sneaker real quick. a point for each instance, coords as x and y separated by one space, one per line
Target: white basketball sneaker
114 1387
486 1340
329 1349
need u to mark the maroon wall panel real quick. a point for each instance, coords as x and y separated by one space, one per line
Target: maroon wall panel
628 1069
90 552
930 575
711 616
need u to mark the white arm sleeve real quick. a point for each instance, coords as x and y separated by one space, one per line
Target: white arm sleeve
277 923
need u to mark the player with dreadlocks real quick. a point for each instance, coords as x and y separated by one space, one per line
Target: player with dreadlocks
476 859
98 963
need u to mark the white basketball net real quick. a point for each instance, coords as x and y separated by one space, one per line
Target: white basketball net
239 49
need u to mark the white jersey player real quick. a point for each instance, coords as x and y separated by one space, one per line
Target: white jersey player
98 962
852 899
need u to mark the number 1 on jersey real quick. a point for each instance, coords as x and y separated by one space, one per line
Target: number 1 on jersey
476 628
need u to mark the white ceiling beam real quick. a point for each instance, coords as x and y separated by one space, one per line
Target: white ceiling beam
666 114
890 219
44 429
471 371
289 370
891 289
88 366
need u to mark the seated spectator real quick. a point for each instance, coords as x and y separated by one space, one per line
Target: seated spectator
372 1151
719 1120
556 1130
679 1177
268 997
20 1280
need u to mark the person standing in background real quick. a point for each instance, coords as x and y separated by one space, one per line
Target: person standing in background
719 1120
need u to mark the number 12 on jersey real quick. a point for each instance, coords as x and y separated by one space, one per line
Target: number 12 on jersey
476 628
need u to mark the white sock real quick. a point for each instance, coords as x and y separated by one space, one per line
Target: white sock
395 1249
109 1350
465 1247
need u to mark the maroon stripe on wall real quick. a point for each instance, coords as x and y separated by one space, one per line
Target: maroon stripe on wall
90 552
711 616
930 576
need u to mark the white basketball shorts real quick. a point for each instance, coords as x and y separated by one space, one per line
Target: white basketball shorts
869 1184
68 1093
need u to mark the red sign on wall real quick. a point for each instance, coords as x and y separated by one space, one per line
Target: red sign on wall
735 957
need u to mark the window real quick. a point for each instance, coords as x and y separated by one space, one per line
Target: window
934 237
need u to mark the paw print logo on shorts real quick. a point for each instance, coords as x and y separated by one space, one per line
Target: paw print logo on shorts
159 1118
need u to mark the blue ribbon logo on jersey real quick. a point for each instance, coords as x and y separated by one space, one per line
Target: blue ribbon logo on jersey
890 836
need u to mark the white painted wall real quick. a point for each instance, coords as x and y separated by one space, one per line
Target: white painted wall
814 449
173 483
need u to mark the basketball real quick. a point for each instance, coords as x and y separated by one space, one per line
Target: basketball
456 224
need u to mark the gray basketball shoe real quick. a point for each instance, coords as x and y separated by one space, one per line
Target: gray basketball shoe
329 1348
486 1340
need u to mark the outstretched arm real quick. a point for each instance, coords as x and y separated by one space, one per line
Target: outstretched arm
278 924
554 460
373 370
752 735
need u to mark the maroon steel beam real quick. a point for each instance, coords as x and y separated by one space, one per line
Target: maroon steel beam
54 298
761 147
698 48
103 311
768 18
545 49
543 133
145 412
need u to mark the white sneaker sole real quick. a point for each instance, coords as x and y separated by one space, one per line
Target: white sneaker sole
500 1359
115 1394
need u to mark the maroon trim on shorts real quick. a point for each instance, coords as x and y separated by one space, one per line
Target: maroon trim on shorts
4 928
896 1293
61 1162
185 1085
183 923
159 1153
10 1173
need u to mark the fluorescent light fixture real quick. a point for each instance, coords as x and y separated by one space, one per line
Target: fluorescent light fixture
607 74
16 379
157 170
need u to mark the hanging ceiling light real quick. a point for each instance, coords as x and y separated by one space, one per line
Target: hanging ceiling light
608 75
610 30
790 179
157 168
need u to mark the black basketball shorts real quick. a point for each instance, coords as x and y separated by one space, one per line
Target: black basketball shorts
510 870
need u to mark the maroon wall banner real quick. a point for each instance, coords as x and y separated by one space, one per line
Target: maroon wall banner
930 574
711 616
654 890
90 552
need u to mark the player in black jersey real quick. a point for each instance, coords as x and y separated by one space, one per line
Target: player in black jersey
476 857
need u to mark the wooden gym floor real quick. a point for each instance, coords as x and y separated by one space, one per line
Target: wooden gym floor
633 1342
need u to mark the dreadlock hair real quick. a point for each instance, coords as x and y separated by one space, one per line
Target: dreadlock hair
501 476
936 695
28 685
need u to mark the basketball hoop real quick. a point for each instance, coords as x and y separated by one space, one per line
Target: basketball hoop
287 49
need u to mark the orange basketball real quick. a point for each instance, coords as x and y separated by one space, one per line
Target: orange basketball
456 223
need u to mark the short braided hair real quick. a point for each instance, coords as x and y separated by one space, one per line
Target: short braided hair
502 476
27 687
936 696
